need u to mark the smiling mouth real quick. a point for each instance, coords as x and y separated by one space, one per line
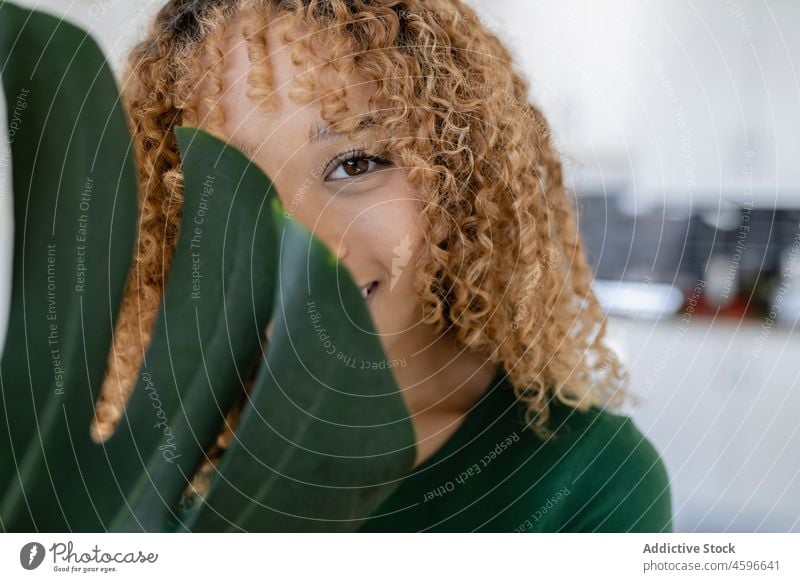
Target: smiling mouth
368 291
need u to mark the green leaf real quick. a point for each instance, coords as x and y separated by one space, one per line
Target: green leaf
328 436
54 476
75 218
216 307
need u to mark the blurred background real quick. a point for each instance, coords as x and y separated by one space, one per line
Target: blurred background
679 126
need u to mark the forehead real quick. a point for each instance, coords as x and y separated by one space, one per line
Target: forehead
287 76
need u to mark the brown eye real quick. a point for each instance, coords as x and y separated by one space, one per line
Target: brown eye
355 166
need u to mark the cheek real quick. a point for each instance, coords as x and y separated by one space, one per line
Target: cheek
293 191
393 234
395 217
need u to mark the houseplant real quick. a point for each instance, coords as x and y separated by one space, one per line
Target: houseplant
321 443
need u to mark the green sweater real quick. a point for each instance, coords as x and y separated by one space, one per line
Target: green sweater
495 475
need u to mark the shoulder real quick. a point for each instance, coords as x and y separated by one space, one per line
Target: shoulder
618 482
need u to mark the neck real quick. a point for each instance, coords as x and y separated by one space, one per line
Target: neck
441 377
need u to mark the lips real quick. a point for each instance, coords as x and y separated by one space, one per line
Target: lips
368 291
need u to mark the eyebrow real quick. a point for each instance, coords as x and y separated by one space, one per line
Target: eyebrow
318 132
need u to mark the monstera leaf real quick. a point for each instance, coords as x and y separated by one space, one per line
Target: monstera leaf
326 424
75 218
325 436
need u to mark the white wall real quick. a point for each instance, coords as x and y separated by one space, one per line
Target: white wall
618 78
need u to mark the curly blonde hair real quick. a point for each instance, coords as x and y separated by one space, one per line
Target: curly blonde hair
502 267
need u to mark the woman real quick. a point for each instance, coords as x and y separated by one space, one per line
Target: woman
401 135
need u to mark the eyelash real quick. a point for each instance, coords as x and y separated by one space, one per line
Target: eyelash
350 156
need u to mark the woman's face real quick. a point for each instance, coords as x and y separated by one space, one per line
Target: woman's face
364 210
